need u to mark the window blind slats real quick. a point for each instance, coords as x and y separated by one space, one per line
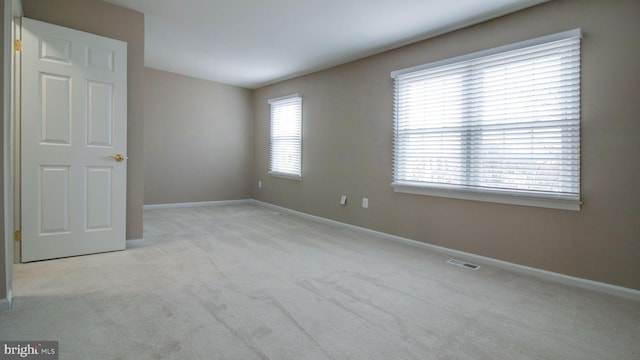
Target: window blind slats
285 150
507 121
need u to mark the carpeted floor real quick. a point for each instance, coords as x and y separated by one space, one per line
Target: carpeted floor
245 282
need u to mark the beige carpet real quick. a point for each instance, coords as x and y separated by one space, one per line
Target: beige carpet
244 282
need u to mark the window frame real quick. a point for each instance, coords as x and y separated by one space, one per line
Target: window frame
478 193
284 101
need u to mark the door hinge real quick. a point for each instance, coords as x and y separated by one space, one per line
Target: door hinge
18 45
18 235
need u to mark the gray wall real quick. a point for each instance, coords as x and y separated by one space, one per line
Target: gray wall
347 126
197 140
108 20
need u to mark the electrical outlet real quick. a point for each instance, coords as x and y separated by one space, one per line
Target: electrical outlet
365 203
343 200
259 183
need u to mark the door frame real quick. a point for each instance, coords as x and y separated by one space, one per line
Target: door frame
10 120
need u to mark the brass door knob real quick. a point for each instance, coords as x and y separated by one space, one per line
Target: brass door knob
118 157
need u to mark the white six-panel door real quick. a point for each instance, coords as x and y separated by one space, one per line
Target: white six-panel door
74 124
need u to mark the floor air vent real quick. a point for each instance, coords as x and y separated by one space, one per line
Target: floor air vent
464 264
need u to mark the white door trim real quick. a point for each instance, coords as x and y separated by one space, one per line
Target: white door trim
12 10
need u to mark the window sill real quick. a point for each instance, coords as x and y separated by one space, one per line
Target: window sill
286 176
490 195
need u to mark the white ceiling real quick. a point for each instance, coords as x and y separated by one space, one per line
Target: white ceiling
251 43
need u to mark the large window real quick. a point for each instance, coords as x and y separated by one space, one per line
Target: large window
285 152
501 125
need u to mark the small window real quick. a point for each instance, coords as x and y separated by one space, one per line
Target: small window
285 150
501 125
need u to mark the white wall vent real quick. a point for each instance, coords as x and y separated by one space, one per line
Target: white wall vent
463 264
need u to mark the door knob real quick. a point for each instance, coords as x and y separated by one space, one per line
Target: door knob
118 157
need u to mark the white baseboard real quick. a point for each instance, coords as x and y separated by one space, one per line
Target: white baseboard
615 290
5 304
135 243
200 203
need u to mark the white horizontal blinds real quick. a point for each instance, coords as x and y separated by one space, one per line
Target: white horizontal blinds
505 121
285 156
